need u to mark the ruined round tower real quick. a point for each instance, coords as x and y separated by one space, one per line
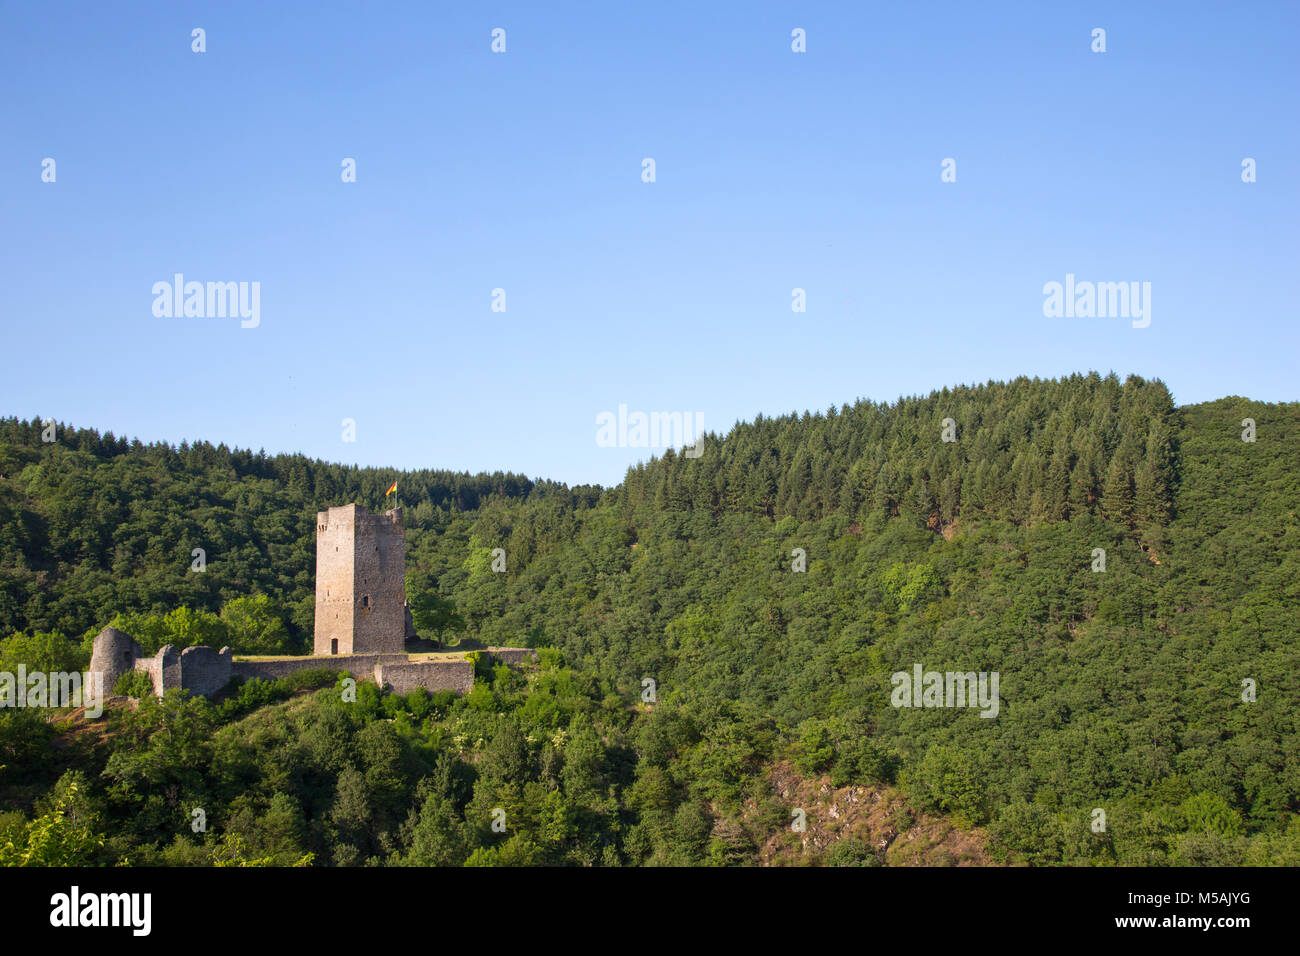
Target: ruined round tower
113 654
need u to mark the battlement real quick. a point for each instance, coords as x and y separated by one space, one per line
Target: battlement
351 515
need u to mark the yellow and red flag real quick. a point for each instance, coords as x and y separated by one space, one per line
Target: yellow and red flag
391 489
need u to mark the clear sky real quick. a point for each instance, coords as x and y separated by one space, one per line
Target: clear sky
522 171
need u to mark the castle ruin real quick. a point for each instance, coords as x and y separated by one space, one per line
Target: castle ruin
362 623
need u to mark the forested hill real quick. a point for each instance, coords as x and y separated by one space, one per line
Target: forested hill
92 524
1024 451
1130 569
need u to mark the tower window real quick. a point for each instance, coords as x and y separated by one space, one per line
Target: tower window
365 600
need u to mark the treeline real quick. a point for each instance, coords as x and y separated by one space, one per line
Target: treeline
1023 451
92 525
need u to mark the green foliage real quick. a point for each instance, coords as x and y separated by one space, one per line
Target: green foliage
63 835
133 684
850 851
1119 690
248 625
48 652
947 780
908 585
251 694
483 667
311 679
1210 813
815 751
25 737
94 525
435 614
254 626
181 628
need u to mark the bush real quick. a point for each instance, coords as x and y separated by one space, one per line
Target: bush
1029 830
815 750
419 703
901 818
850 851
313 679
441 702
25 735
863 761
549 658
1210 813
181 628
253 694
482 662
947 780
135 684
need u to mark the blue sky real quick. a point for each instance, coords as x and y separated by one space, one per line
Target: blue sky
522 171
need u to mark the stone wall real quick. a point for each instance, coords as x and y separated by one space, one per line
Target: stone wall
360 666
205 671
168 662
164 669
514 656
150 666
402 678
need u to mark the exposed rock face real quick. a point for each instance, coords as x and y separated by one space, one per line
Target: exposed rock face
877 816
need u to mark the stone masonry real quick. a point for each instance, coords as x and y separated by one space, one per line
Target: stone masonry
362 623
402 678
205 672
360 582
113 654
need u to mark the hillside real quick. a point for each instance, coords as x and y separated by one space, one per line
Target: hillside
1120 691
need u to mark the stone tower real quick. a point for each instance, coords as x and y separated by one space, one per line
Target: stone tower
360 581
113 654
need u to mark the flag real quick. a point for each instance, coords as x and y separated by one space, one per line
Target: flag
391 489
